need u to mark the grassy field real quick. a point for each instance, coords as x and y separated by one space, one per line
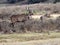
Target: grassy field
27 37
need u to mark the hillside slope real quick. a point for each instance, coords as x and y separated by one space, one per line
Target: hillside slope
30 25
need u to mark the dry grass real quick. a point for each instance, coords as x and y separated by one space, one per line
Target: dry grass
36 42
31 39
37 8
27 37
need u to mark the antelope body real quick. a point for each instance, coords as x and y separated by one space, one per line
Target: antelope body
18 18
35 17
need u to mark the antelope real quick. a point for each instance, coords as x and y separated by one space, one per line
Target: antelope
21 17
18 18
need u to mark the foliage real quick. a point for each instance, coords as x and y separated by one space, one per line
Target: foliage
33 1
14 1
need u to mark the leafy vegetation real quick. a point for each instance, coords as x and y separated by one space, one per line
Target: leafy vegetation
33 1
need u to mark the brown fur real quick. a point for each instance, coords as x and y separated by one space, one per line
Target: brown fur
20 18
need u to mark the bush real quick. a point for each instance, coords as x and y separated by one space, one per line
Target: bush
5 28
36 1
